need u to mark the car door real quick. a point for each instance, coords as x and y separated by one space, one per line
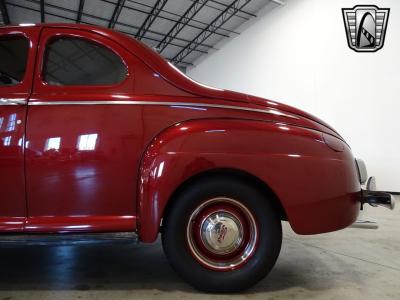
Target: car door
84 142
17 58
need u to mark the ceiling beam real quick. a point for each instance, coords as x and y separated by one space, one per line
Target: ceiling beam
100 19
80 10
64 9
189 14
42 16
4 12
220 20
157 40
168 18
280 2
175 15
151 18
117 11
240 10
213 6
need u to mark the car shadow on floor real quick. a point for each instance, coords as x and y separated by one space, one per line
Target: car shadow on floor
133 267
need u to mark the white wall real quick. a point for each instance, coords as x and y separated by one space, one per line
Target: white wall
298 54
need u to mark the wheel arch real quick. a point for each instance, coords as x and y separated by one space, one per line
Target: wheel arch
234 174
189 151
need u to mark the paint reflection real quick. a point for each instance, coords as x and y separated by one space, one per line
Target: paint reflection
63 146
9 135
66 168
7 141
12 179
12 120
86 177
52 144
87 142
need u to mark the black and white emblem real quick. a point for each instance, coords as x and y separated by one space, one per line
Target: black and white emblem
365 27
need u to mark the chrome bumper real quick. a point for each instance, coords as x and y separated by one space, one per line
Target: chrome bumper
371 196
376 198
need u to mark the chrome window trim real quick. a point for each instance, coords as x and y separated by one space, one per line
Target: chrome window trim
129 102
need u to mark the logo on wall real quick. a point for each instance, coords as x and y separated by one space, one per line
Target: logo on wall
365 27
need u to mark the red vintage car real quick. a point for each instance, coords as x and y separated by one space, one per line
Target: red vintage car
101 138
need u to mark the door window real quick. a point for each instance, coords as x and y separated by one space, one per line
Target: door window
13 58
75 61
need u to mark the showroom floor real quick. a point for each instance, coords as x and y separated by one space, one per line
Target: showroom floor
349 264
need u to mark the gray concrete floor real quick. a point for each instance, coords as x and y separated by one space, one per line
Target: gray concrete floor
348 264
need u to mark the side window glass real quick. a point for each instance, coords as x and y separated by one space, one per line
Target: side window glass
75 61
13 58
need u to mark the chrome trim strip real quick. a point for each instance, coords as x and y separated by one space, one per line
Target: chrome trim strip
116 102
4 101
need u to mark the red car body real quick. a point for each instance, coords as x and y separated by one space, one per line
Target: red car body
156 131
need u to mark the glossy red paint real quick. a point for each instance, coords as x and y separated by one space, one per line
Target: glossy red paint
12 124
163 130
282 156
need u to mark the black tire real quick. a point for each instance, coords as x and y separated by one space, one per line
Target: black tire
175 238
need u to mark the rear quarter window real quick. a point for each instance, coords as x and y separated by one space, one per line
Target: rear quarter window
13 58
73 61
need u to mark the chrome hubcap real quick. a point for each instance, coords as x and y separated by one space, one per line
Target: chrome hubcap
221 233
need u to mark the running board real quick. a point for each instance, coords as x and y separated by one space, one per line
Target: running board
63 239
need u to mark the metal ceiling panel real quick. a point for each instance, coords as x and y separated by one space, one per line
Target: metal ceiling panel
181 30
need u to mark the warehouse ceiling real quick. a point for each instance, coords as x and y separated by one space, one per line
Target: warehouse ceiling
180 30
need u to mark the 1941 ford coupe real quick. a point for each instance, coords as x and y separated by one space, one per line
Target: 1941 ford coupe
101 138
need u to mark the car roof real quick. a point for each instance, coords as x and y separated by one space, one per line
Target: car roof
149 57
70 25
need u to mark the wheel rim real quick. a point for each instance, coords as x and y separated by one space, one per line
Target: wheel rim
222 234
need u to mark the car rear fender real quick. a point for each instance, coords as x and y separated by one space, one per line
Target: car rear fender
316 185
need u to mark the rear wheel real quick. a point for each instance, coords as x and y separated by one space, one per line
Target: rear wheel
222 235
